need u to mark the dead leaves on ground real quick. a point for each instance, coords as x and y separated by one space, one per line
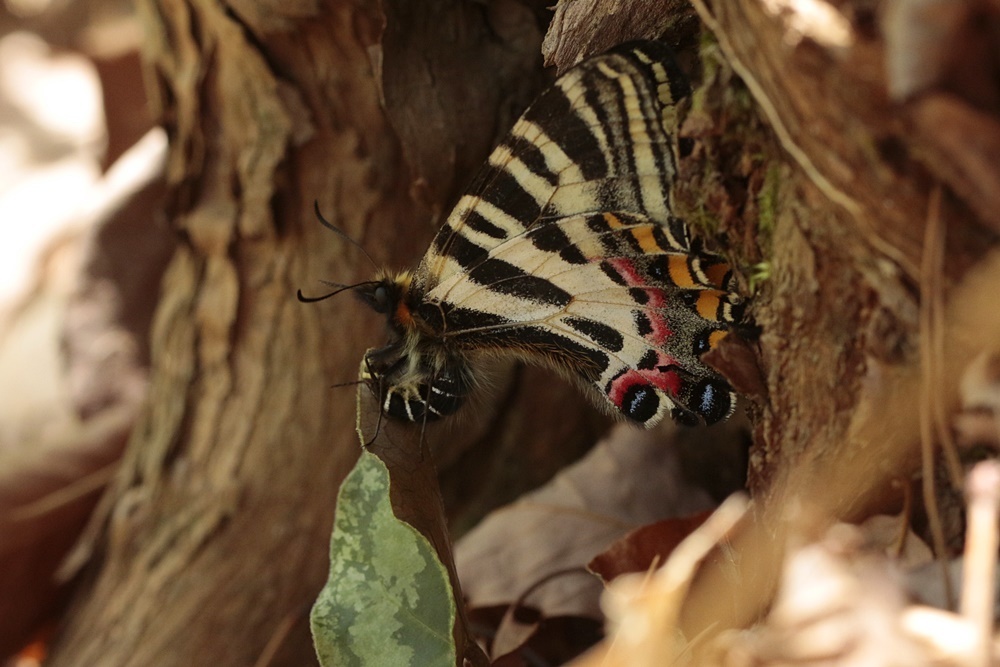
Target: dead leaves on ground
868 594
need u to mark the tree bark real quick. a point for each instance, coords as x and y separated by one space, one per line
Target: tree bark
212 543
868 248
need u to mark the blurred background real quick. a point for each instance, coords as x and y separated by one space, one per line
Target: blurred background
81 255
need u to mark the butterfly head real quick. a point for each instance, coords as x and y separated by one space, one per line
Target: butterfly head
389 295
415 381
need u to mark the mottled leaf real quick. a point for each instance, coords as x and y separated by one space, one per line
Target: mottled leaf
387 600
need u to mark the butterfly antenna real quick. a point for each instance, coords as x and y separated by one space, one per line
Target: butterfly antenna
337 230
340 288
352 383
424 445
378 429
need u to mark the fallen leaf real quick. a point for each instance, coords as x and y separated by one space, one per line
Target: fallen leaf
630 479
644 548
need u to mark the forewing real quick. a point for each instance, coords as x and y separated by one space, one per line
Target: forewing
597 140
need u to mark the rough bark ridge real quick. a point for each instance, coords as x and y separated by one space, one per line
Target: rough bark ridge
864 242
241 431
212 543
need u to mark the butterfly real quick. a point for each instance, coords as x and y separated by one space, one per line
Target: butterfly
564 252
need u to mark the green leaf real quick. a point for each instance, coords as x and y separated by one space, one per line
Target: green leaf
388 600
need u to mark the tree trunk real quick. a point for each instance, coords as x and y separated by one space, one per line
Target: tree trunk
876 302
214 528
212 543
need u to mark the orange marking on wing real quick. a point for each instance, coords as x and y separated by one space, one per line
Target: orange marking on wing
717 273
679 271
613 221
708 304
647 242
715 338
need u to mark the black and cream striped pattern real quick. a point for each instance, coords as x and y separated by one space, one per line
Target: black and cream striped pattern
565 252
593 142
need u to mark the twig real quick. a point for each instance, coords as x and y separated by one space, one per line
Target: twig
278 637
928 387
932 330
770 110
65 495
981 542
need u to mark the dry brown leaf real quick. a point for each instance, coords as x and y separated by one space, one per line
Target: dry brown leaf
630 479
980 384
837 605
643 610
581 28
518 625
979 389
892 536
645 548
947 638
841 603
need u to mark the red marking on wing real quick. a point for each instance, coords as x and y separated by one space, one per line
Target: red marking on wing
661 329
653 307
663 374
626 269
620 385
666 380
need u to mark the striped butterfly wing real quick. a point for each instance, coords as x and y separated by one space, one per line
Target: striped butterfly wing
594 141
565 251
617 306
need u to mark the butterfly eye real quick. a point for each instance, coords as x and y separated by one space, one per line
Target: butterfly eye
382 299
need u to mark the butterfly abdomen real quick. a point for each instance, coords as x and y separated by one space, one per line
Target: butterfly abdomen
429 398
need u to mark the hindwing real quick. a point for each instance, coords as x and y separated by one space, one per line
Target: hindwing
617 306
